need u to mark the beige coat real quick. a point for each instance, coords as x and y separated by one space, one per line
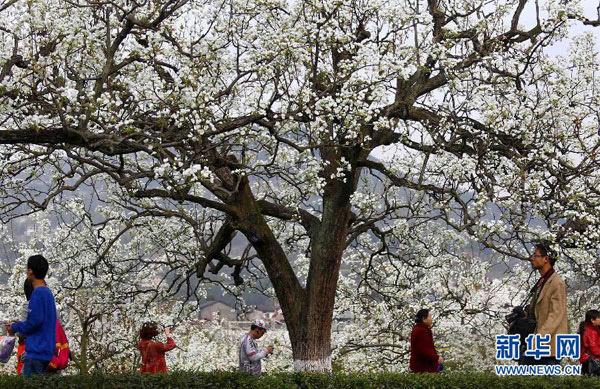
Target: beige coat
551 310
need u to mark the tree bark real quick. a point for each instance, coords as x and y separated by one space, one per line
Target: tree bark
311 345
83 360
308 311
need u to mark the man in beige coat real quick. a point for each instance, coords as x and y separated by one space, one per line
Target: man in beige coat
549 300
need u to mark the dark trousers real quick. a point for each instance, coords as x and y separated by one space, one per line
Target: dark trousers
33 366
585 368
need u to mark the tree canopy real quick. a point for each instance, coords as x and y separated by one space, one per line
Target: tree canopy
313 132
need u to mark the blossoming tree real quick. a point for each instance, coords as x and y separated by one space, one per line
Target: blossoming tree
105 284
265 121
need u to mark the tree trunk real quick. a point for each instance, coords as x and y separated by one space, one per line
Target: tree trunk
308 311
311 340
83 360
312 351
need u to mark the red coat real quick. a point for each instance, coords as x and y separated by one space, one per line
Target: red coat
153 355
590 343
423 357
20 351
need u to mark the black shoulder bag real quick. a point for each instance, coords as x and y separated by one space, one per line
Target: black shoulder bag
525 326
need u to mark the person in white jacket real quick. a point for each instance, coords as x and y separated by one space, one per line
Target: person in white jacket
249 354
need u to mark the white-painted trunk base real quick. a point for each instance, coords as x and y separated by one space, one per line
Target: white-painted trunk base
319 365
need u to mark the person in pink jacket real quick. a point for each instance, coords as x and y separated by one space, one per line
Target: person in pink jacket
590 340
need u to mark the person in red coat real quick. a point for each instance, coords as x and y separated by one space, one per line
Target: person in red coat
153 352
423 357
590 339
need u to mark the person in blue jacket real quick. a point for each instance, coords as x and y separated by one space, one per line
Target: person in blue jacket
40 325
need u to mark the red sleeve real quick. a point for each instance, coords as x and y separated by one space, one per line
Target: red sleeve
164 347
591 341
423 344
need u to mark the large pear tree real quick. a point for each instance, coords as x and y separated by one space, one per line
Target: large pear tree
305 129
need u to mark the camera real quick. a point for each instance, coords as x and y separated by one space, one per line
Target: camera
516 313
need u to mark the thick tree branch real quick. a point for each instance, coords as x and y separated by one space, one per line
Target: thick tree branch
159 193
308 221
224 237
